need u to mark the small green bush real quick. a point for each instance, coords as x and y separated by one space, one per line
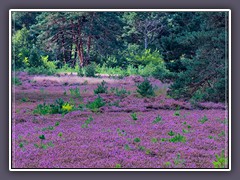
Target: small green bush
134 116
102 88
177 113
58 107
171 133
42 109
80 72
87 122
203 120
121 132
75 92
178 160
127 147
145 89
157 119
96 104
16 81
154 140
118 166
185 131
121 92
90 70
178 138
221 161
137 140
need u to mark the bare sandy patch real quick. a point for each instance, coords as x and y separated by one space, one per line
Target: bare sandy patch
75 79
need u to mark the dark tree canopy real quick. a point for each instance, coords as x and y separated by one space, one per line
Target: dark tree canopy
189 49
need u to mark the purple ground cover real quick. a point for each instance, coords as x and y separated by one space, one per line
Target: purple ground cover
110 137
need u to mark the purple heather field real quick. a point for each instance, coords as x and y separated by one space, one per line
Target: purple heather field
166 133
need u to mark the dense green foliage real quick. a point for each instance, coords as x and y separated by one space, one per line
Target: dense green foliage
96 104
145 88
188 49
101 88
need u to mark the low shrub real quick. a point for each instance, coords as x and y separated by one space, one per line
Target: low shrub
137 140
171 133
75 92
87 122
160 72
16 81
80 72
157 119
134 116
115 103
90 70
203 120
58 107
40 70
154 140
42 67
221 160
118 166
145 88
96 104
102 88
178 138
147 70
119 92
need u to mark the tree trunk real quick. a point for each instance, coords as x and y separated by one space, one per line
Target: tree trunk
75 54
80 46
145 38
90 38
63 49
